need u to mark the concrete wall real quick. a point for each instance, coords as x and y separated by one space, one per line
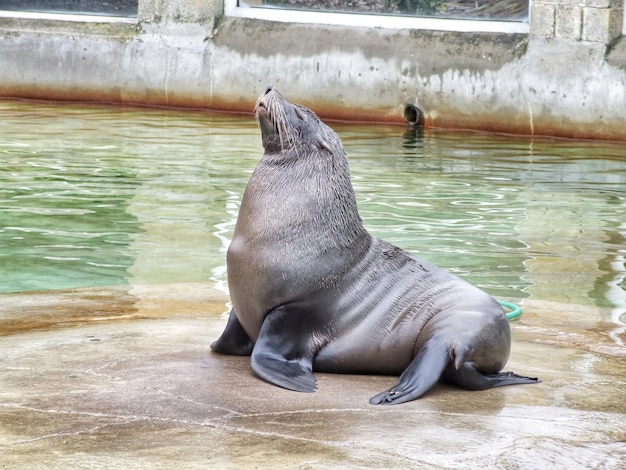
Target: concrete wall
567 77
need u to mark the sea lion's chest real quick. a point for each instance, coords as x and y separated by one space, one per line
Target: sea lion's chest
284 248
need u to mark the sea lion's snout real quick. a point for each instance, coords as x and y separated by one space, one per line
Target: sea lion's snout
273 115
263 105
260 105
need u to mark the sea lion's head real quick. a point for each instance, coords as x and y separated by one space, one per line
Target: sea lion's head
286 126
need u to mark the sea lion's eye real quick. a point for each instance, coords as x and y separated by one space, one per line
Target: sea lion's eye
299 113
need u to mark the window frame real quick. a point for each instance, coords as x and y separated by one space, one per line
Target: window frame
77 18
232 9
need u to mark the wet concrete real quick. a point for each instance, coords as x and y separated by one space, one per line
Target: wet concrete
128 381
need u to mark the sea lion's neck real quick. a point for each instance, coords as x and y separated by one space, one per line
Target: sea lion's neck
306 189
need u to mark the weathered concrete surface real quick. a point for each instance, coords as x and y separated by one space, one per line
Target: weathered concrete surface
530 84
131 383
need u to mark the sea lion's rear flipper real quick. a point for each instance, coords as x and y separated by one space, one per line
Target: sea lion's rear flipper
280 355
234 340
468 377
421 374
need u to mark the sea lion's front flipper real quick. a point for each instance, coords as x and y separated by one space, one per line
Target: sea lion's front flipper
420 375
281 355
234 340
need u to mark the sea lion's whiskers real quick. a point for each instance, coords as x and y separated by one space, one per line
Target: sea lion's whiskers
277 114
284 132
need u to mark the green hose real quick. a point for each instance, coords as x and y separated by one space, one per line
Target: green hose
515 310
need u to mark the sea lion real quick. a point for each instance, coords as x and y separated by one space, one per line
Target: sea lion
312 290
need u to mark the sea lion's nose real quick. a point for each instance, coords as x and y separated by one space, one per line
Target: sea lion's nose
268 89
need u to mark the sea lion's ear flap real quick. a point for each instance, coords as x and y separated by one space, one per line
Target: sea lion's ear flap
322 143
323 139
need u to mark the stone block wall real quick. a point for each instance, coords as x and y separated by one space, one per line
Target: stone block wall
597 21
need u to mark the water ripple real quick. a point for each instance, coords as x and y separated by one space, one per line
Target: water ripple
102 195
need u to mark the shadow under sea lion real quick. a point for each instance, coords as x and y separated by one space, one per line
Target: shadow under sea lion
312 290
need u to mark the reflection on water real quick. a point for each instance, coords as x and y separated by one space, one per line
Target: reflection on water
64 195
107 196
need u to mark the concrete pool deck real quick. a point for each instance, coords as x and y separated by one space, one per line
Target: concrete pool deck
126 380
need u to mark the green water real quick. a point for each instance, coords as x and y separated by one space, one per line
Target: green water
95 195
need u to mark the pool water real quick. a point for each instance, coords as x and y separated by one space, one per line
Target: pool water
105 196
